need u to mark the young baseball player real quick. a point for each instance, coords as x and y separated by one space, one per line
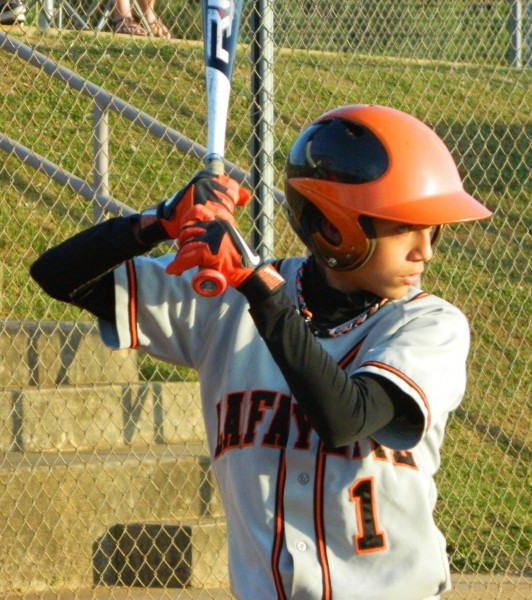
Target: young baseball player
326 380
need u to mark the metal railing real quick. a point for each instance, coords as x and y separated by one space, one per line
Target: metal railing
97 191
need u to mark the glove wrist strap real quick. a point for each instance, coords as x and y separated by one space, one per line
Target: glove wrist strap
262 283
148 229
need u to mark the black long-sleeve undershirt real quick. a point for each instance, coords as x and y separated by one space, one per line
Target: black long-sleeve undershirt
342 409
80 269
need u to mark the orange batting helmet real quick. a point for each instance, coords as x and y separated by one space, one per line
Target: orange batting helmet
365 161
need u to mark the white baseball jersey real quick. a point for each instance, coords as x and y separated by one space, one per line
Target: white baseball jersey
306 521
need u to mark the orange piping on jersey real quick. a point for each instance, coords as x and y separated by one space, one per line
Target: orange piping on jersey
350 356
319 523
279 527
132 303
418 297
411 383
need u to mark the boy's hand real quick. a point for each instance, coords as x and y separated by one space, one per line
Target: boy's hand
208 241
219 193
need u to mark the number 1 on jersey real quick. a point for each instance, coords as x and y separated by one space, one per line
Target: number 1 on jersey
369 537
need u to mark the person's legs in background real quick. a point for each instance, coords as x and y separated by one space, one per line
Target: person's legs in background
158 28
125 22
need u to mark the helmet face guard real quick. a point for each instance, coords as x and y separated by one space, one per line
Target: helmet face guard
369 161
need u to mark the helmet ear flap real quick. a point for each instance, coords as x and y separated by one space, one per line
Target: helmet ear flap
366 223
303 216
370 240
337 241
367 226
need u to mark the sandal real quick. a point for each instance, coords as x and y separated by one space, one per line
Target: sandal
159 29
128 26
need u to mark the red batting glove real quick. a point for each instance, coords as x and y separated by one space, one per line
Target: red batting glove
219 193
207 241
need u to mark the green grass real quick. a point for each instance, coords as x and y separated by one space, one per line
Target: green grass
482 112
452 31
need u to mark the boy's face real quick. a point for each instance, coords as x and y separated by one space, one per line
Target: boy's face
396 264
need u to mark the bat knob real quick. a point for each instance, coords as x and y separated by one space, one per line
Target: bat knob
208 282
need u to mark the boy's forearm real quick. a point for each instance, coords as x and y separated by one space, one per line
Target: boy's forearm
342 409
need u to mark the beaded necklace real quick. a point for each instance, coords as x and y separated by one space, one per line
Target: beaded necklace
331 331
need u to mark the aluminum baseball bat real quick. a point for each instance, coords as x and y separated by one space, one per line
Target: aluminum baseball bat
221 23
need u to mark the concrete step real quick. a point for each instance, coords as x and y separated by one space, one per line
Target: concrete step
41 419
59 353
57 509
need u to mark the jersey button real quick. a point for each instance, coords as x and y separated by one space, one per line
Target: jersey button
303 478
301 546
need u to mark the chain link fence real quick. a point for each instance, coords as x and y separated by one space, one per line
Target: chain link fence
104 473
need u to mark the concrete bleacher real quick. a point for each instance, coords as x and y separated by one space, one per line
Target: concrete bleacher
105 479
